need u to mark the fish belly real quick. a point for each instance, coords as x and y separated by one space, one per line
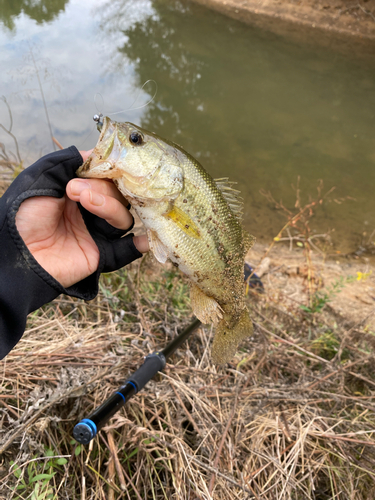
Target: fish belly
195 257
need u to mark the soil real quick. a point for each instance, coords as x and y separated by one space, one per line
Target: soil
344 24
348 283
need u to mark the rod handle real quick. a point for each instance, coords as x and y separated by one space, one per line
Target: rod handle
87 428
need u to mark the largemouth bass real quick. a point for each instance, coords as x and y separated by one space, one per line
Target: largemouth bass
191 219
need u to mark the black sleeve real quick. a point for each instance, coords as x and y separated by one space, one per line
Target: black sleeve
24 284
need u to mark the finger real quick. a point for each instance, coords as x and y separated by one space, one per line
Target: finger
141 243
85 154
107 208
75 187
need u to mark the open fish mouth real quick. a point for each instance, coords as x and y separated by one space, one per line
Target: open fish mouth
102 161
108 127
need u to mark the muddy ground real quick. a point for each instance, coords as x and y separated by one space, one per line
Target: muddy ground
346 25
347 283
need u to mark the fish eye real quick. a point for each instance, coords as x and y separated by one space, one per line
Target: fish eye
136 138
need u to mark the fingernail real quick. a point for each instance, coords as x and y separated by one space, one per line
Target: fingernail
78 186
96 199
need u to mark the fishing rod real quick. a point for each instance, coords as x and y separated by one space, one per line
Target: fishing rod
88 428
155 362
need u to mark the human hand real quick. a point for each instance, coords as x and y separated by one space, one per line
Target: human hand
56 235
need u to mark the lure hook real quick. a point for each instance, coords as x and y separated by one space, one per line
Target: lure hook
98 119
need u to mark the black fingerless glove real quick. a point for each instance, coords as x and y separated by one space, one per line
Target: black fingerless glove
24 284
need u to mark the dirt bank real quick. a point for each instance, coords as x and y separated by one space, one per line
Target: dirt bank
328 22
346 286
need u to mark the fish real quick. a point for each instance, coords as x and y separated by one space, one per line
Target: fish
191 220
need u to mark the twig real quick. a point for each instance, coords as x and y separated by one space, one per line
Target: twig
342 368
9 130
57 143
132 485
342 438
113 449
367 12
111 477
191 420
293 344
347 334
42 93
10 409
216 462
354 7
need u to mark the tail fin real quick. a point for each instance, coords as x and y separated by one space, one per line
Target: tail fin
228 337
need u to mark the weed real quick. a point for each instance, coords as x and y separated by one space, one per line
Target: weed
321 298
299 223
9 160
298 230
326 345
35 478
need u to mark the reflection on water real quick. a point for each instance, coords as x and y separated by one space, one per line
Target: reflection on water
40 11
246 103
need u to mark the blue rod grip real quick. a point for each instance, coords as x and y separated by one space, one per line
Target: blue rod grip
87 428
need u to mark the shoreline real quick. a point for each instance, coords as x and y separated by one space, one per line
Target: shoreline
347 283
331 23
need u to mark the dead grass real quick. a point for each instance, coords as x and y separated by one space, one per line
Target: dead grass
291 417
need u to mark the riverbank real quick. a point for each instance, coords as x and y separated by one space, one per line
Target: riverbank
328 22
301 388
345 285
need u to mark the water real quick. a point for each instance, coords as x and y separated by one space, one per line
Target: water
248 104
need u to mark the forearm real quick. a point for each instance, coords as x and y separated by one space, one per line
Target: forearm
21 292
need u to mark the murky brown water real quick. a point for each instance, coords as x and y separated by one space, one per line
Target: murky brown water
248 104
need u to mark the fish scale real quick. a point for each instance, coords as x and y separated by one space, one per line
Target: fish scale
190 219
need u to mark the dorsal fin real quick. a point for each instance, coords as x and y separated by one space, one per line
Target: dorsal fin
231 196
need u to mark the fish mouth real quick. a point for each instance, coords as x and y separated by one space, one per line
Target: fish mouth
107 123
101 163
83 169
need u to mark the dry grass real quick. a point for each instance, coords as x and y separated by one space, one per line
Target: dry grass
292 417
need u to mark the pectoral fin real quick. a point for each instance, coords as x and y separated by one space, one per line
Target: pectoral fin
183 221
156 246
205 308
